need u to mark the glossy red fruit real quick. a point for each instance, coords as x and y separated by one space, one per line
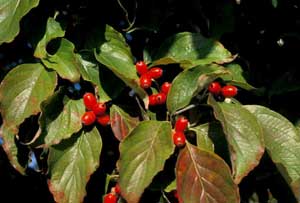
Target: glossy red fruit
117 189
110 198
229 91
145 81
89 100
165 87
181 124
179 139
152 100
88 118
141 67
155 72
99 109
104 120
215 88
161 98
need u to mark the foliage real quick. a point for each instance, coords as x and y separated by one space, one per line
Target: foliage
229 141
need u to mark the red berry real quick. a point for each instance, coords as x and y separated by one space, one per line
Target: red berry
229 91
117 189
141 67
155 72
88 118
89 100
110 198
165 87
215 88
152 100
175 194
181 124
104 120
161 98
179 139
99 108
145 81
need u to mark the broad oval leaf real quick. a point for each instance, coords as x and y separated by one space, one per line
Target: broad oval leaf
53 30
203 177
11 13
244 136
189 83
71 163
282 142
10 148
191 49
115 54
22 91
142 155
121 122
59 119
65 62
236 76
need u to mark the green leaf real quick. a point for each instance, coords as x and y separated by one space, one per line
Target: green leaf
90 72
244 135
121 122
60 119
203 176
10 148
203 139
191 49
11 13
275 3
189 83
65 62
142 155
172 186
236 76
22 91
53 30
282 142
115 54
71 164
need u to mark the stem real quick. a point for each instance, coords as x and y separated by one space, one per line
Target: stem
165 197
131 24
189 107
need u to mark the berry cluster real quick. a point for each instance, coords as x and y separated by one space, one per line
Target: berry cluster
226 91
96 111
178 135
146 78
112 197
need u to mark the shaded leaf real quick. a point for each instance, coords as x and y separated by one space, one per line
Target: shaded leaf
22 91
142 155
191 49
203 139
60 119
282 142
10 148
203 177
71 163
189 83
53 30
65 62
244 135
115 54
236 76
121 122
11 13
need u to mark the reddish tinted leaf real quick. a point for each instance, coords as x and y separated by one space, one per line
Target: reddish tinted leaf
71 163
203 177
121 122
142 155
10 148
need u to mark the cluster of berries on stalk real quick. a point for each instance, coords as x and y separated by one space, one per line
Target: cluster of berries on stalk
226 91
180 126
96 111
113 196
146 79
